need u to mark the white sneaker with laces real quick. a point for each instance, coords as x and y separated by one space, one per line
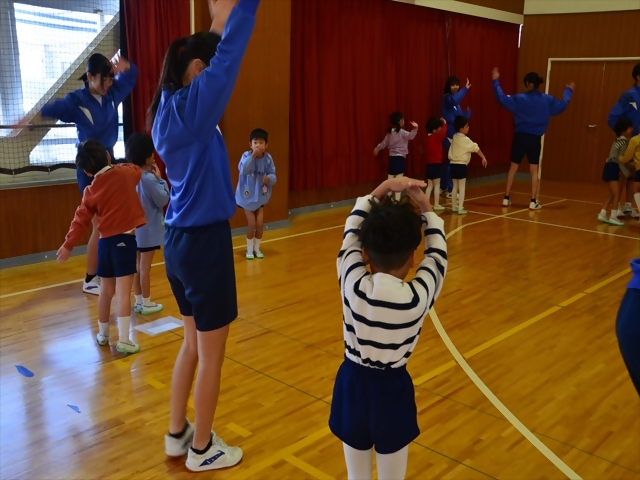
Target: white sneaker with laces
127 347
438 208
149 309
603 219
621 212
448 195
634 213
176 447
461 211
102 340
616 222
506 202
534 205
455 209
137 308
218 455
92 287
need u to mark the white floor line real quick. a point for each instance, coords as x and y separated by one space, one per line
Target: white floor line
162 263
570 199
552 457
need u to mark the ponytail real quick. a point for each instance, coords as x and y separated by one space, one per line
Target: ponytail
534 78
171 76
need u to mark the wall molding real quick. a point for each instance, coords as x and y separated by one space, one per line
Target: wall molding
546 7
469 9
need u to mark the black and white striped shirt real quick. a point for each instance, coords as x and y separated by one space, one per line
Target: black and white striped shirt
617 149
383 315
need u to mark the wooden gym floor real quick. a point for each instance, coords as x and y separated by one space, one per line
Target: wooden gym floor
530 298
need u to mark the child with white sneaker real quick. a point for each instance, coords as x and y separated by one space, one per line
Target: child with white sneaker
153 192
459 157
436 133
257 177
611 172
112 197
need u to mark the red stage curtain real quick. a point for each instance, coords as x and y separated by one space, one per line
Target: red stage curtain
151 25
352 64
476 45
355 62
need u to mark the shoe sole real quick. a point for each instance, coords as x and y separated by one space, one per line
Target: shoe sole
103 344
122 350
141 312
214 467
91 292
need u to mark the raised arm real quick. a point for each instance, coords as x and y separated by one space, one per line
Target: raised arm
506 101
125 80
63 109
210 91
247 163
556 107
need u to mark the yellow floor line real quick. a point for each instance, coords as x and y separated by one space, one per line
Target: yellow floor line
572 299
305 467
243 432
154 383
607 281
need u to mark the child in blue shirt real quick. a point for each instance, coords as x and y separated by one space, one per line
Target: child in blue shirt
154 195
94 110
257 177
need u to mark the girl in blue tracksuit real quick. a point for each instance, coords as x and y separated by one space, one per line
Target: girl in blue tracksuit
198 76
532 111
94 110
453 95
628 325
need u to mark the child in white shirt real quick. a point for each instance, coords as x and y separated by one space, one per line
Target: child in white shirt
459 156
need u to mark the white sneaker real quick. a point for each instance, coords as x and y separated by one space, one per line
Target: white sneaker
137 308
92 287
535 206
438 208
616 222
603 219
259 254
127 347
634 213
176 447
218 455
250 256
627 209
461 212
455 209
149 309
102 340
448 195
621 212
506 202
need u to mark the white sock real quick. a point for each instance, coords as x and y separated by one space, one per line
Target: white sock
123 329
104 329
147 302
461 189
603 213
393 465
636 197
138 299
249 245
359 463
614 213
398 195
454 194
256 244
627 206
430 189
436 195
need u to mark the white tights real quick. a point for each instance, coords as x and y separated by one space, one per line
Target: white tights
397 194
434 185
390 467
458 188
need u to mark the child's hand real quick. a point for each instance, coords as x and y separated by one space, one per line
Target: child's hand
266 180
155 170
63 254
119 64
414 124
484 162
417 195
400 184
258 152
495 74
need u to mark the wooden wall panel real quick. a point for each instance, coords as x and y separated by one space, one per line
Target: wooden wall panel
261 98
34 220
512 6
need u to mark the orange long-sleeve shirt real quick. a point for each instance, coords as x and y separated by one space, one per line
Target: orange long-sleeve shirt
113 198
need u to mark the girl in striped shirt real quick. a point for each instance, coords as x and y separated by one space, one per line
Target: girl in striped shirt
373 397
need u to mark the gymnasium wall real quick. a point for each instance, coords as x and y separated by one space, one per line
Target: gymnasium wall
512 6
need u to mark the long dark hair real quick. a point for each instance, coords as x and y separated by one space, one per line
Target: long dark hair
181 52
451 81
394 120
534 78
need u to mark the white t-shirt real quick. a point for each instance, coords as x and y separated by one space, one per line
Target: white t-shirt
461 149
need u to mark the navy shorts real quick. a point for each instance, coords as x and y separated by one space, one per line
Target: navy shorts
458 171
84 180
117 256
434 171
199 264
636 177
611 172
526 143
396 165
374 408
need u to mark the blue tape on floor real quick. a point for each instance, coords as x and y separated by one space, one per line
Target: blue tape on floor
24 371
74 408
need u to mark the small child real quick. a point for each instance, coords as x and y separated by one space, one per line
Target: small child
373 397
397 139
153 192
633 153
436 133
257 177
112 197
460 155
611 171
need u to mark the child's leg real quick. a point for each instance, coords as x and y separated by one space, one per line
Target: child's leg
398 195
107 291
146 259
512 173
461 189
454 195
615 193
605 206
137 288
259 230
534 180
629 199
182 378
123 311
392 466
359 463
251 229
430 189
436 189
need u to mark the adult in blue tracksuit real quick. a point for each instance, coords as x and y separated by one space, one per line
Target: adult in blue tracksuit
94 110
628 326
532 111
453 95
198 76
628 106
